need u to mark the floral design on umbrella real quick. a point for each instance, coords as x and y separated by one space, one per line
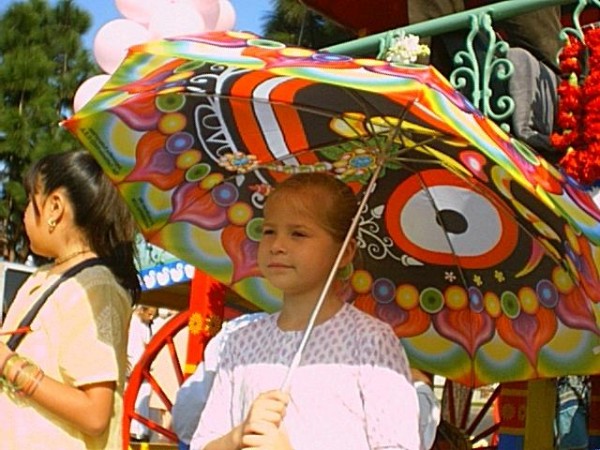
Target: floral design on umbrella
478 252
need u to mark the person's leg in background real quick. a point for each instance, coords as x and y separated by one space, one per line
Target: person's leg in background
139 431
538 32
421 10
572 415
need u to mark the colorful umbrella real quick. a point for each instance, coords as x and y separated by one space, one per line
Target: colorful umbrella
479 253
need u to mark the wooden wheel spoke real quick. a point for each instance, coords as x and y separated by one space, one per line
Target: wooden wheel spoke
487 432
175 360
467 425
160 392
484 410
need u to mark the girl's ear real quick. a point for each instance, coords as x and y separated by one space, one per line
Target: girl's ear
346 267
349 253
55 205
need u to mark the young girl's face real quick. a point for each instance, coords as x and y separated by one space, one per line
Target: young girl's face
296 253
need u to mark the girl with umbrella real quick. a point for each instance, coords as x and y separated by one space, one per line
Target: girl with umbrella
352 388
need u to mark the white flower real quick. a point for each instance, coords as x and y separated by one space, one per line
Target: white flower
405 49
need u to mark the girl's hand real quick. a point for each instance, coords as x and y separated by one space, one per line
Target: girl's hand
268 407
265 436
262 427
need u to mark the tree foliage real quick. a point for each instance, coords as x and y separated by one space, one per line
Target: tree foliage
42 62
292 22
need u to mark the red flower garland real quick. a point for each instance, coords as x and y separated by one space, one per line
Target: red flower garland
578 115
568 118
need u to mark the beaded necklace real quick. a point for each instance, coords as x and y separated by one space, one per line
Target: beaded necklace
64 259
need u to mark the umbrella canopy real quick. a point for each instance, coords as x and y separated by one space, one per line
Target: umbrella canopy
479 253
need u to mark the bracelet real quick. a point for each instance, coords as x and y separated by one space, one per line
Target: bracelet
32 376
25 370
36 382
26 378
18 373
4 362
6 385
10 361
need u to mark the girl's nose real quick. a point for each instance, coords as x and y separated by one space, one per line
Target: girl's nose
276 249
277 245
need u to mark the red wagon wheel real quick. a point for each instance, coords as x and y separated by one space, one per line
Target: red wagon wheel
199 323
142 372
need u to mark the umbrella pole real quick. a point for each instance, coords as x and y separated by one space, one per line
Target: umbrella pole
313 316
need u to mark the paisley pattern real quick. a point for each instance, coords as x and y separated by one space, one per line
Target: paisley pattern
477 251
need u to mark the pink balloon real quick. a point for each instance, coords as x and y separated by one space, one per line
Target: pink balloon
175 18
202 5
88 89
137 10
114 39
209 10
226 19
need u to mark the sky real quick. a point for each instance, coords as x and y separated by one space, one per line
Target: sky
249 14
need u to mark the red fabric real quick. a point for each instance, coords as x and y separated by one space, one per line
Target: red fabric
362 17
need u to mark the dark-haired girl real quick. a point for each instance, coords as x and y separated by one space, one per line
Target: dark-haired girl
62 387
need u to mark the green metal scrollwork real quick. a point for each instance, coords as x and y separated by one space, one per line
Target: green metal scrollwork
477 72
577 30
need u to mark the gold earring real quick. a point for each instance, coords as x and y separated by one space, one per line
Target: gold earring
51 225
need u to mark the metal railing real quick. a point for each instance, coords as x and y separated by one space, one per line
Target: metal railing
479 71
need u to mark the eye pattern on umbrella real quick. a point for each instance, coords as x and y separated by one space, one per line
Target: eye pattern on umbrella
479 253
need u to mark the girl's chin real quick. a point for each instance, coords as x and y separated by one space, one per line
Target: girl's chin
41 254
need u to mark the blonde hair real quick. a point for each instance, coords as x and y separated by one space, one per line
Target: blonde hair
329 200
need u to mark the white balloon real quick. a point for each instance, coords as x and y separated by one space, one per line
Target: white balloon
114 39
226 19
137 10
174 18
88 89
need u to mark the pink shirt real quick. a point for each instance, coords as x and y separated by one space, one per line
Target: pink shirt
79 337
352 391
